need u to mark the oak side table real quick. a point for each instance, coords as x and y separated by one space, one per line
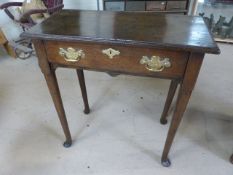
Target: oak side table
134 43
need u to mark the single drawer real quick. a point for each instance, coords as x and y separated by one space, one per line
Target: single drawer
119 59
114 6
176 5
135 6
155 5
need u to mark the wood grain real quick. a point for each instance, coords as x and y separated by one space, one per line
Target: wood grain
144 29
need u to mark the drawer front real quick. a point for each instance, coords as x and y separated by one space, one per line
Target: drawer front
114 6
121 59
176 5
157 5
135 6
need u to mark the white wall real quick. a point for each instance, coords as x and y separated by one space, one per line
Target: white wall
83 4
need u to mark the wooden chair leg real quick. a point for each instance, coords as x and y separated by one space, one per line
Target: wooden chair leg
83 90
9 49
170 96
4 42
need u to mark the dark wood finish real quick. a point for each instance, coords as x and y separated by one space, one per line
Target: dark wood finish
144 29
170 96
127 62
134 35
83 90
187 85
51 80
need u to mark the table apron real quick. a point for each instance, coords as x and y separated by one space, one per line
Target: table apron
118 59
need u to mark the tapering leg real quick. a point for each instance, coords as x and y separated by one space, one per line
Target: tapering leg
170 96
55 93
231 159
50 76
182 102
83 90
187 85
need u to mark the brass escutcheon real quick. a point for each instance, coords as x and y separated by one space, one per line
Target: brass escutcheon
71 55
155 63
111 52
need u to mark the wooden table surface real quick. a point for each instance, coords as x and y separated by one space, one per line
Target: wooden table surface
147 29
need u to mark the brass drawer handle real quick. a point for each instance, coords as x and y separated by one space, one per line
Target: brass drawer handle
155 63
111 52
71 55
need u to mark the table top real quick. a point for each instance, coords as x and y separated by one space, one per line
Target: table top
144 29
